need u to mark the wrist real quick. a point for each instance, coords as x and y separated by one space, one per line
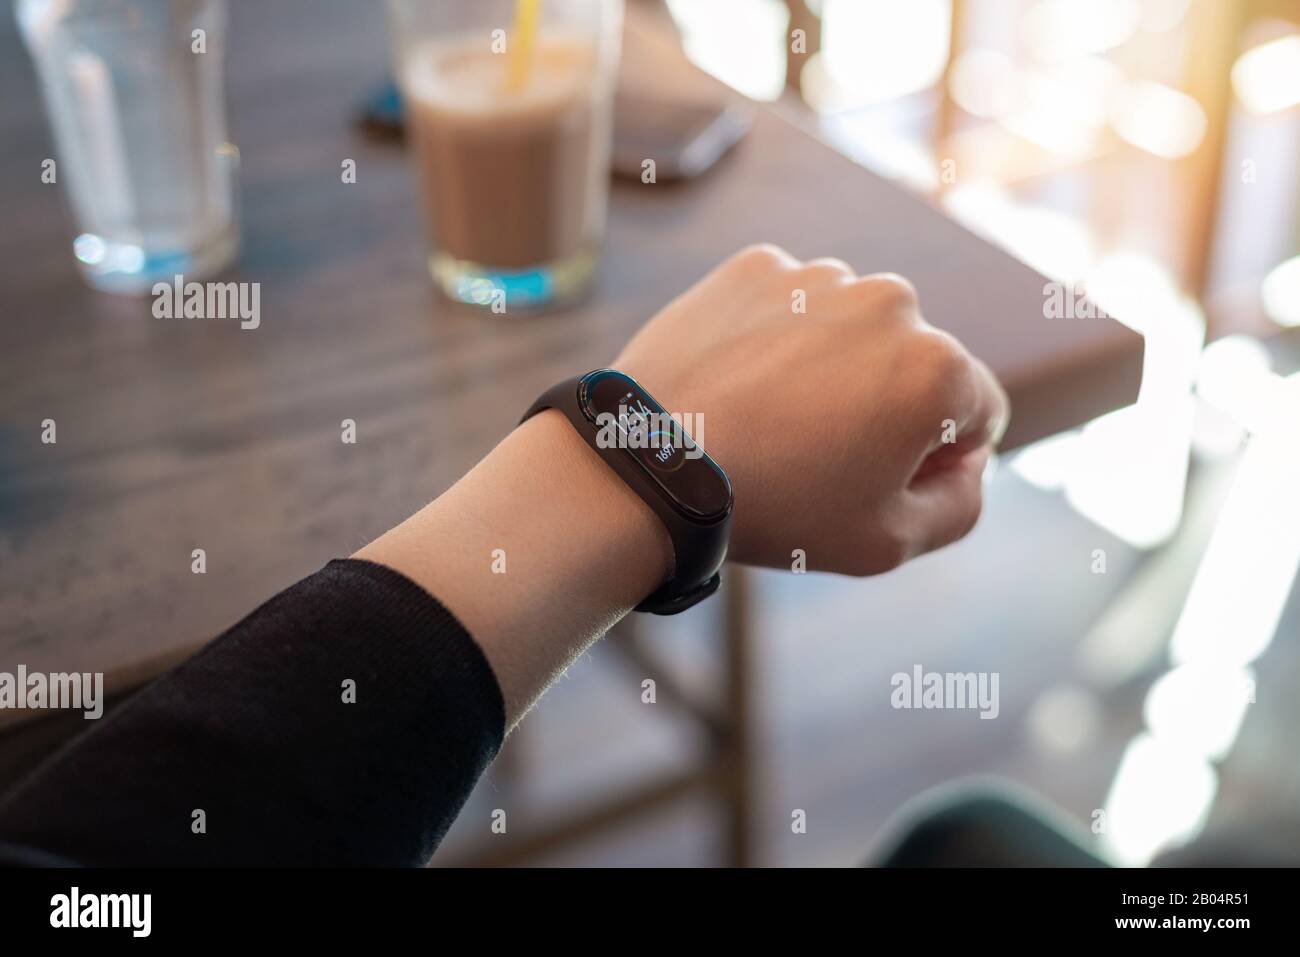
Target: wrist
593 524
538 550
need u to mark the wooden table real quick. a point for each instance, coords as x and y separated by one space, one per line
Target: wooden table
181 435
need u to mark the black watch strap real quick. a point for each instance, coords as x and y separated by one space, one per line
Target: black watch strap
699 545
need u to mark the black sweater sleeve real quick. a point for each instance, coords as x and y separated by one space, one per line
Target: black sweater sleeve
259 733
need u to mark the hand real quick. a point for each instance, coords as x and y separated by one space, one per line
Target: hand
854 430
831 425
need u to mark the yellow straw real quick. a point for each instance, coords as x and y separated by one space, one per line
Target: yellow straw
521 43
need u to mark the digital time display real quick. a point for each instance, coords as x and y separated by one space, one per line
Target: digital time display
626 416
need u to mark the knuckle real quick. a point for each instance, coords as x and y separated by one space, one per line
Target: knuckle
828 265
943 369
891 289
761 257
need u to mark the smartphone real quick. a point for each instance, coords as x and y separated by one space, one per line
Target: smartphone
683 139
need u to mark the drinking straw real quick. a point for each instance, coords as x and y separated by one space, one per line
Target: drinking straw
521 43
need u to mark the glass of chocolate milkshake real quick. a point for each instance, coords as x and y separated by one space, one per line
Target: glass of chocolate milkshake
508 110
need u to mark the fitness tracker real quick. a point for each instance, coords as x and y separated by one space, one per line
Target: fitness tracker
659 460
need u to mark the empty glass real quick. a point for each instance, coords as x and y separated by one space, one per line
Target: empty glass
133 89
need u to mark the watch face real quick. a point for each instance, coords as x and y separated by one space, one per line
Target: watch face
627 417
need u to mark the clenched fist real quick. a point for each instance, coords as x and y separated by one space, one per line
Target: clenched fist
850 427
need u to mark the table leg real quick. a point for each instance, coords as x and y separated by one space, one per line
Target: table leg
738 778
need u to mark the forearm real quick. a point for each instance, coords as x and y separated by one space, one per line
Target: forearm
538 551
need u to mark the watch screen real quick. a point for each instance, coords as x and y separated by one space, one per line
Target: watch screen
627 417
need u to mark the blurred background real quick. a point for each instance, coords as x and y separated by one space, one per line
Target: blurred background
1131 581
1156 134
